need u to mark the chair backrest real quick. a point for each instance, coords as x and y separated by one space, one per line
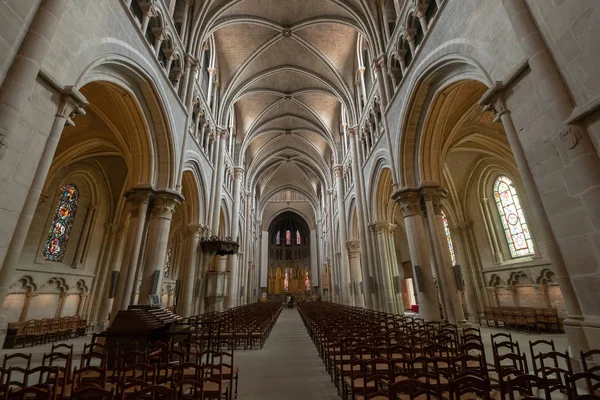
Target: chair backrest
527 386
17 358
470 384
590 361
92 393
155 392
191 389
90 375
31 392
591 381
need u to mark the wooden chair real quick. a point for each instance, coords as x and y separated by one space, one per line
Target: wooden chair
31 393
461 387
525 384
592 384
155 392
93 393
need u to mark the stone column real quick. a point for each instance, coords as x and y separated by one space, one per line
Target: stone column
61 304
115 262
83 297
420 253
381 230
346 297
211 81
433 204
84 237
72 101
216 210
357 273
103 270
361 214
127 277
158 240
188 280
578 163
395 267
21 77
234 289
383 87
28 296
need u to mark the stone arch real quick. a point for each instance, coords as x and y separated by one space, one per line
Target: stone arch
149 120
442 75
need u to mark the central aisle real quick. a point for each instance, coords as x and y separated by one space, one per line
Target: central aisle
288 367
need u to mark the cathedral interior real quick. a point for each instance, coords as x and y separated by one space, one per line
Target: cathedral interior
437 160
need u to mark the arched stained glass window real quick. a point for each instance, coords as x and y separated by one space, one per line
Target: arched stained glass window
298 239
449 238
286 281
307 283
288 238
168 259
512 217
58 236
278 238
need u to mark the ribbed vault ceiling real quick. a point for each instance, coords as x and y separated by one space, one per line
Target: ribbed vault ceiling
286 68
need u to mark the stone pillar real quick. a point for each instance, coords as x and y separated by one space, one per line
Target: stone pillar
433 204
211 81
383 86
363 89
84 237
395 267
381 230
357 273
188 280
346 297
361 213
127 277
216 210
115 262
83 297
577 157
234 286
420 253
158 240
72 101
28 296
61 304
21 77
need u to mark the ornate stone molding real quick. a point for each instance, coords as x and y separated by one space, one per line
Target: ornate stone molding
436 195
165 204
353 131
338 170
353 247
223 133
409 201
380 227
238 172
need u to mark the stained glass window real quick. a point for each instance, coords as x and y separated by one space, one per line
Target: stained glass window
449 238
286 281
298 237
307 282
58 236
512 217
278 238
288 238
168 260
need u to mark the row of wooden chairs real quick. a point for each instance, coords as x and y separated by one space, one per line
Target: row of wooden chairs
212 373
522 318
46 330
246 326
368 355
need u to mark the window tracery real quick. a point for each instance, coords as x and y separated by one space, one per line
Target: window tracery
513 220
60 230
449 238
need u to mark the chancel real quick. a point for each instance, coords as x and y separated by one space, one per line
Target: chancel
417 180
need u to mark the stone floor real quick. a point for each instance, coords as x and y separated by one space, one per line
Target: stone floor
288 367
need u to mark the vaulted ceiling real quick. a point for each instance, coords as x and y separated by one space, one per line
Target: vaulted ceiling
286 68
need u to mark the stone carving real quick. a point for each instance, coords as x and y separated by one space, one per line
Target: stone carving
569 137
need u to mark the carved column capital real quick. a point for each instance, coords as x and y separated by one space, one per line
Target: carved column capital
353 131
165 204
223 133
338 170
409 201
238 172
195 229
211 71
353 248
380 227
436 195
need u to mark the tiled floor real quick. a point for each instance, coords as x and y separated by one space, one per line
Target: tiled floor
288 367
